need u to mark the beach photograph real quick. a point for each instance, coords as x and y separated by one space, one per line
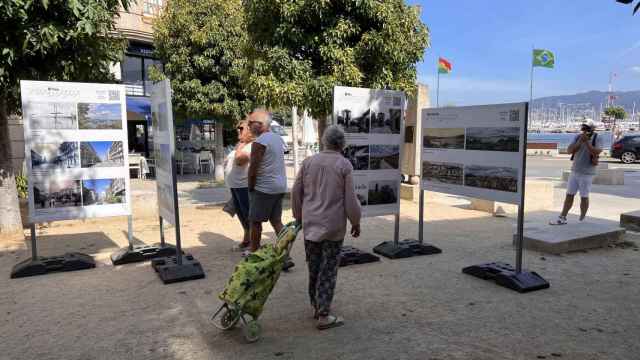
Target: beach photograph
493 138
358 156
441 172
383 192
51 156
353 123
491 177
98 116
443 138
103 191
52 193
101 154
52 116
383 157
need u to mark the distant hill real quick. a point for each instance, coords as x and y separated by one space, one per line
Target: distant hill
625 99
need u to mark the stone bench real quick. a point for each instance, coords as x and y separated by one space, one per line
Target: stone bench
538 196
574 236
630 221
603 176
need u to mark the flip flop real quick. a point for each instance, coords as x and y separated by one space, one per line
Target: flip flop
558 221
334 321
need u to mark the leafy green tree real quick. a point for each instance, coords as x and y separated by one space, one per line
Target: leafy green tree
201 45
70 40
616 112
300 49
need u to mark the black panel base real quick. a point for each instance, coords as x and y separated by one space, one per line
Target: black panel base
141 253
47 264
353 256
505 275
170 272
406 248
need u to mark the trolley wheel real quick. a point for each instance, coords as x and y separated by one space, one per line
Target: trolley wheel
252 331
228 319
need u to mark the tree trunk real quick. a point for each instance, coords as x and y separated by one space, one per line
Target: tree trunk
219 161
10 220
323 120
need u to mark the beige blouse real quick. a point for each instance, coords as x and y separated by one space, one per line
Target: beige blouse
324 197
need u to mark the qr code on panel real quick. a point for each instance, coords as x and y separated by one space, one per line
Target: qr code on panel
114 95
397 101
514 115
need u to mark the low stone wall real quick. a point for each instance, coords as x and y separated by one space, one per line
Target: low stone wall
604 176
538 196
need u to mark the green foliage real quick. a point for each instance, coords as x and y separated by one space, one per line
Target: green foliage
56 40
200 43
616 112
22 186
300 49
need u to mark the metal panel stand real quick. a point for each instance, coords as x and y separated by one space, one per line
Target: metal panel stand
408 247
40 265
502 273
178 267
137 253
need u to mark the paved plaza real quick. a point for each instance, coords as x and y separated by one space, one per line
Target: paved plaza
419 308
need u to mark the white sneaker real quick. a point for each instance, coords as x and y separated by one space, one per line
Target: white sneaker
561 220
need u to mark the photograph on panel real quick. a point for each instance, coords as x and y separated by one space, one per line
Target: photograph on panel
383 123
98 116
443 138
442 172
499 178
383 192
165 196
101 154
358 156
52 116
103 191
51 156
53 193
353 122
361 184
493 138
384 157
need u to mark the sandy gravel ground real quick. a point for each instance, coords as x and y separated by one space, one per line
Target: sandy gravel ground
420 308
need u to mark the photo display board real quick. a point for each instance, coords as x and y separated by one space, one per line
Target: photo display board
75 149
164 149
373 122
475 151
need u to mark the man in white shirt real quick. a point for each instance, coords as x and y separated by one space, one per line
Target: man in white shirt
267 177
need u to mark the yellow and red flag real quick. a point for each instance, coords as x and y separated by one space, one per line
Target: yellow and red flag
444 66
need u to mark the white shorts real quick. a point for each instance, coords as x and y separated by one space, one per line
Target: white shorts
581 183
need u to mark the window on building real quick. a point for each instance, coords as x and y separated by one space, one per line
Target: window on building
148 64
152 7
132 75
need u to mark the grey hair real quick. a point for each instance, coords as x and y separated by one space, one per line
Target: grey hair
333 137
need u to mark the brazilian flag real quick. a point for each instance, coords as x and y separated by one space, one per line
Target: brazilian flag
543 58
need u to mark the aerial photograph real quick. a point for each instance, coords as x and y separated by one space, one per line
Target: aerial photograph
443 138
441 172
493 138
491 177
98 116
52 116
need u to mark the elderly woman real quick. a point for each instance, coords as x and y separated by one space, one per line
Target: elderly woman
323 198
236 171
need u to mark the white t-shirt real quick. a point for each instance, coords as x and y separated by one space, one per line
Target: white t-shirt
272 178
237 176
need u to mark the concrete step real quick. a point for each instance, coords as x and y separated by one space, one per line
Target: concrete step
574 236
630 221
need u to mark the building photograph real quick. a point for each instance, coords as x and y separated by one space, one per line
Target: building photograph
56 193
103 191
383 192
493 138
101 154
52 156
491 177
445 173
384 157
358 156
443 138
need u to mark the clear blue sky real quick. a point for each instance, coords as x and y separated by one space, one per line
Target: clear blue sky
489 43
101 148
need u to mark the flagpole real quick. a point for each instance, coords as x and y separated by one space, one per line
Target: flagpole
531 86
438 90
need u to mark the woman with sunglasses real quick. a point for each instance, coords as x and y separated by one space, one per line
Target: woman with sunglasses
236 170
